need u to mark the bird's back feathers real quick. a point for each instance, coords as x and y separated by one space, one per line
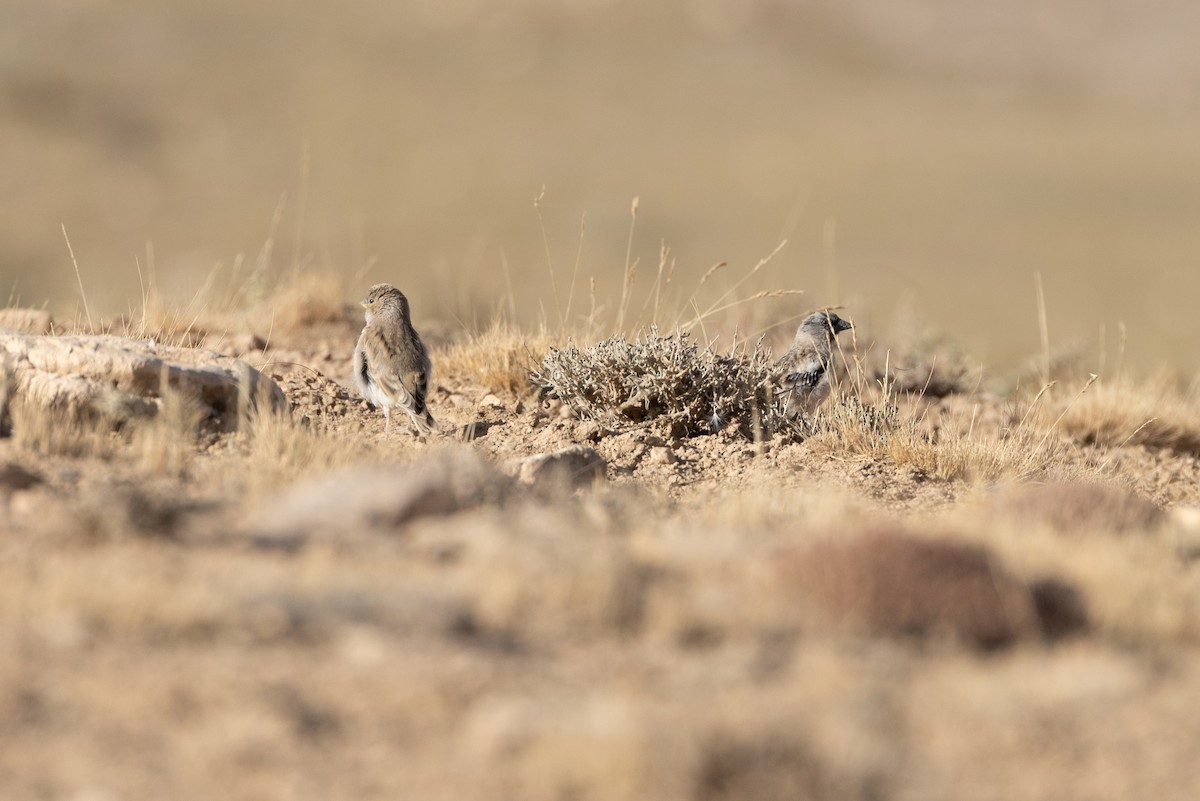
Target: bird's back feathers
392 367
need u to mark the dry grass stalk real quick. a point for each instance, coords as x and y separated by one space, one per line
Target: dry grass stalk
722 302
630 268
78 277
537 207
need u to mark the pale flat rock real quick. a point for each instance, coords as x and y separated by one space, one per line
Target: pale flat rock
358 499
491 401
573 466
112 376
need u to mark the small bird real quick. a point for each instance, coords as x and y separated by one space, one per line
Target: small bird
803 370
391 365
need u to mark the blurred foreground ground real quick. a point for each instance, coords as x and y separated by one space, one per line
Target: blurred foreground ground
1004 606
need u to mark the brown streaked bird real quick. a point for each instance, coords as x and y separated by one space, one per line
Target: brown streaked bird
803 372
391 365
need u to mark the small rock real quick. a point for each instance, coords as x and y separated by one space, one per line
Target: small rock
247 341
589 432
574 466
634 409
490 401
1187 517
662 455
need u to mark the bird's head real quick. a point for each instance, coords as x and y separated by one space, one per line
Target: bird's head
824 322
382 298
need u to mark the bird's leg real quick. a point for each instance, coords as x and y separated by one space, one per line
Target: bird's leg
387 422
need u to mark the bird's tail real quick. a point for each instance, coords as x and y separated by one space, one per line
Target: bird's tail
425 422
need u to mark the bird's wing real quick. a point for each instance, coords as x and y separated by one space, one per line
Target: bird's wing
800 369
398 382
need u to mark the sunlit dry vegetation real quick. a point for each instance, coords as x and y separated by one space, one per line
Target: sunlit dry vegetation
1151 410
618 570
964 540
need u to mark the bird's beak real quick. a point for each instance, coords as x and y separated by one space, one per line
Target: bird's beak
363 303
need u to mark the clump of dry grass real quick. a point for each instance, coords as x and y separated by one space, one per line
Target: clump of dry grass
122 511
858 425
695 390
167 322
304 300
56 432
308 299
166 442
1021 453
499 358
273 449
867 420
1153 412
160 438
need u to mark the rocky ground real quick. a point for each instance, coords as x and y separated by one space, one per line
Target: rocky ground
536 606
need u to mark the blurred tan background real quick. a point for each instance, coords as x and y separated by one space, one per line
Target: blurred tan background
924 160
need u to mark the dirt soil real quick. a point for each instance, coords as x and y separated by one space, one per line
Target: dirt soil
325 614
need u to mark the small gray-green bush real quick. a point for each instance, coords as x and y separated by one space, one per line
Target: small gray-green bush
693 389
